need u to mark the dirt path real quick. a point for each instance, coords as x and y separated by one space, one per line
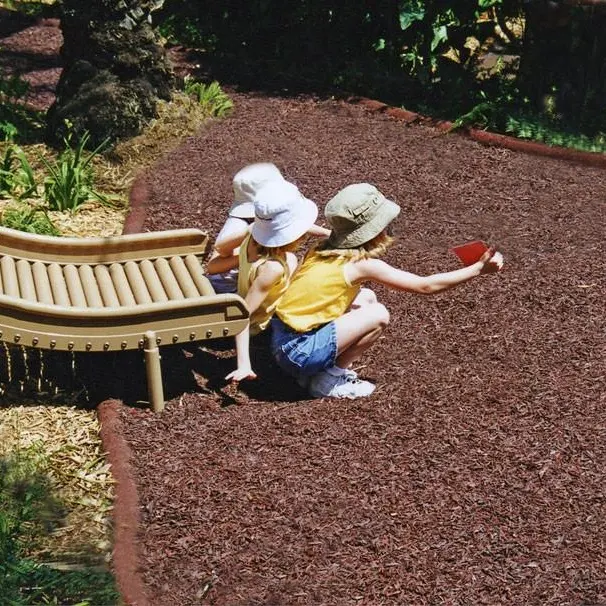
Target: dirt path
475 473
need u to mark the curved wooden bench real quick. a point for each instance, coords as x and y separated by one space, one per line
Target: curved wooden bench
136 291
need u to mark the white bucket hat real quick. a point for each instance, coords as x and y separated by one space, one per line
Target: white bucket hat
246 184
282 214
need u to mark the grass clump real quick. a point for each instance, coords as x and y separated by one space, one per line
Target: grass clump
70 180
28 218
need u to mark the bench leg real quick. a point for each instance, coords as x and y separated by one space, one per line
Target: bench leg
154 372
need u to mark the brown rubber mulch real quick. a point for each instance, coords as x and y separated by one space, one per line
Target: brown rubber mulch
475 474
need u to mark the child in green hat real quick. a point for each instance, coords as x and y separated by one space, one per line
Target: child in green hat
323 323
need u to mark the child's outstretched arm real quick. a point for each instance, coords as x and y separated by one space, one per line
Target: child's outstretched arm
379 271
267 275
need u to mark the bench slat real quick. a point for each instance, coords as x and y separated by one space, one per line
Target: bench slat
58 285
137 282
106 286
90 286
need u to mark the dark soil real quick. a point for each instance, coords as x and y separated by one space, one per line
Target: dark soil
475 474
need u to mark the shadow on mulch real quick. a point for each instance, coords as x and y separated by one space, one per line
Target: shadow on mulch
85 379
14 21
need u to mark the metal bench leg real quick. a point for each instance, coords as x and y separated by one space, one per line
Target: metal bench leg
154 372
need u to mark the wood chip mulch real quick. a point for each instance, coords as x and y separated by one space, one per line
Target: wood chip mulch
474 474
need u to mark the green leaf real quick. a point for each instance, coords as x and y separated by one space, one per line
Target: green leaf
484 4
440 34
413 11
379 44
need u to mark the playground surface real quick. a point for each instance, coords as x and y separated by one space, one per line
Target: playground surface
474 474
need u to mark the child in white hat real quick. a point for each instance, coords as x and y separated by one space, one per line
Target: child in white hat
317 331
222 268
283 217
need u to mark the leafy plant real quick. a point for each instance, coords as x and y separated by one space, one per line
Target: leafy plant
519 121
7 176
211 96
480 115
8 130
25 505
70 183
13 88
30 219
33 8
25 183
15 118
17 179
537 129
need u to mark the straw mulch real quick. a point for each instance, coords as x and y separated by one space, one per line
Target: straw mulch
54 424
65 441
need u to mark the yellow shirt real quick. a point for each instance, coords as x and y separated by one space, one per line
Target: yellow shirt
247 272
318 293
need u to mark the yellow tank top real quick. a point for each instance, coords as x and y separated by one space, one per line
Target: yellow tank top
318 293
246 275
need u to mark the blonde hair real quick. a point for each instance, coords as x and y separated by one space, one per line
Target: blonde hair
279 251
369 250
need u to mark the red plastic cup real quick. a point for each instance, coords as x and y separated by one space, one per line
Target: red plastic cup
471 252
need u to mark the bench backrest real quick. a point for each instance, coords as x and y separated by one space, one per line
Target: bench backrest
83 294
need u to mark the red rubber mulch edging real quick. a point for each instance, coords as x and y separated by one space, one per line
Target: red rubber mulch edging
126 506
137 198
487 137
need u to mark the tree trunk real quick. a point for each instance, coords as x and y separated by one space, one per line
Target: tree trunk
562 69
114 70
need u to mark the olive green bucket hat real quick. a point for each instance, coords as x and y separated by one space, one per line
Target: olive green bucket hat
357 214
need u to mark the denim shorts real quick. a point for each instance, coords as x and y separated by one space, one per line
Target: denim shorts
224 283
303 353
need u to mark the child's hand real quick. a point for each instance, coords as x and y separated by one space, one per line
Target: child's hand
492 261
240 374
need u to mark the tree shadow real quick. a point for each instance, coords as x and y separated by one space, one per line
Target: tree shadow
14 21
28 511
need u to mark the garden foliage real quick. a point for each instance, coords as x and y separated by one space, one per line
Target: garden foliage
434 56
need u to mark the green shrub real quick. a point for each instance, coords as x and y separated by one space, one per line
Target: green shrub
210 96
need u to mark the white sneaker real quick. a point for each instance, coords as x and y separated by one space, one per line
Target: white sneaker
351 374
343 386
